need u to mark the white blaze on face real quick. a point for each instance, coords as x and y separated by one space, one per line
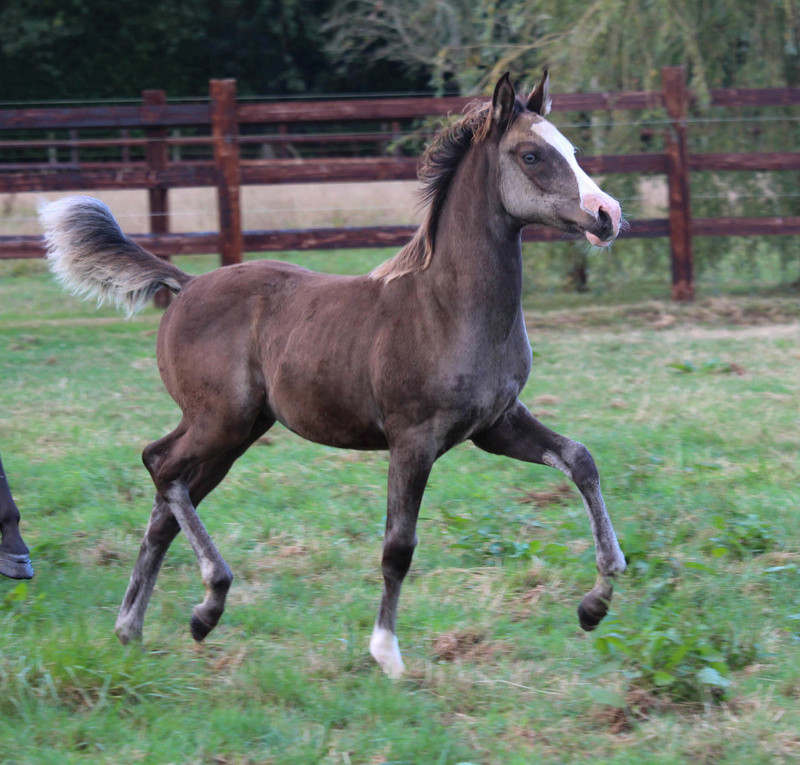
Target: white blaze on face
593 199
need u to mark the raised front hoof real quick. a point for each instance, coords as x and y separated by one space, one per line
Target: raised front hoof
591 611
199 627
16 566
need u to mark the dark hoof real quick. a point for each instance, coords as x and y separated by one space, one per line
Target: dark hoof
199 628
16 566
591 612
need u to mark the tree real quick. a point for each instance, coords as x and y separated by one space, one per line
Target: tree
89 49
619 44
459 44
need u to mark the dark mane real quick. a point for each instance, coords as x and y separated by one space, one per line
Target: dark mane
436 170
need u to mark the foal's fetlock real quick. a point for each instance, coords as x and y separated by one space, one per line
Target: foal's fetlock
207 614
126 633
617 564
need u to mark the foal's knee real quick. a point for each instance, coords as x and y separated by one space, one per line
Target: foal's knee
582 467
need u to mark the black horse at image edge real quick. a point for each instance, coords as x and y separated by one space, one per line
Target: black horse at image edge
15 559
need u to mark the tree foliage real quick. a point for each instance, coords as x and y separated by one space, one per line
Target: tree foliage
459 44
614 44
97 49
85 49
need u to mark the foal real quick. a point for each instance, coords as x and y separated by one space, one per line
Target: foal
427 351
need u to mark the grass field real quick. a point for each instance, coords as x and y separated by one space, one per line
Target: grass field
693 415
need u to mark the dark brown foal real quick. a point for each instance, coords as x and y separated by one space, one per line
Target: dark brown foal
427 351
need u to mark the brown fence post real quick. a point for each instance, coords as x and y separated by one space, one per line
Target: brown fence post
676 100
225 131
157 156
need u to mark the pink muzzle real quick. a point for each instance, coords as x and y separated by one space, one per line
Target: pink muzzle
598 204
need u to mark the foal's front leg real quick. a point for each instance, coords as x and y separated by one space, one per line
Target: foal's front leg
520 435
410 464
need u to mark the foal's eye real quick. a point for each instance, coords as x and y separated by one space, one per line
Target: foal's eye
530 157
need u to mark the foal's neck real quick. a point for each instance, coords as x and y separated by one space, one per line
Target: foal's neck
477 261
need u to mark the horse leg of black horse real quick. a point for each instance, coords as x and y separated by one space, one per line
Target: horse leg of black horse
15 561
520 435
162 529
410 464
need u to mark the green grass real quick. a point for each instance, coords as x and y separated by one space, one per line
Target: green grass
692 414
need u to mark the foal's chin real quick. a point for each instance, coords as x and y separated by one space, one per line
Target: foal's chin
596 241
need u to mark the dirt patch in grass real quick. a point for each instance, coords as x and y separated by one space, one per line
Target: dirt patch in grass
525 605
105 554
291 550
640 706
663 315
466 645
558 495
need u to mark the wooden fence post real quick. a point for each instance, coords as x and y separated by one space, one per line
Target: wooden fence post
676 100
225 131
156 155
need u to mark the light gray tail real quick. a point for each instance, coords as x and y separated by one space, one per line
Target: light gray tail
91 257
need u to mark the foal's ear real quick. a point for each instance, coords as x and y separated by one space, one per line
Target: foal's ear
539 100
503 102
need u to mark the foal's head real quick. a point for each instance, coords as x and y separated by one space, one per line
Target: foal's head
540 180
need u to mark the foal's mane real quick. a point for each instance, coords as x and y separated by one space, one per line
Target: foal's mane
436 171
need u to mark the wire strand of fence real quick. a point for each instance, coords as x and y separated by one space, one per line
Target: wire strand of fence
396 135
198 212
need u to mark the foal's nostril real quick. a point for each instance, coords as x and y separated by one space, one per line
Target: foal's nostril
606 230
606 216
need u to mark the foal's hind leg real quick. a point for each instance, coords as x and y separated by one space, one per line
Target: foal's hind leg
215 572
164 527
161 530
410 464
520 435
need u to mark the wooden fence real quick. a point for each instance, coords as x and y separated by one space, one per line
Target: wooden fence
232 128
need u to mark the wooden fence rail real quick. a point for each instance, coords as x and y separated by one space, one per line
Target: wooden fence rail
224 127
